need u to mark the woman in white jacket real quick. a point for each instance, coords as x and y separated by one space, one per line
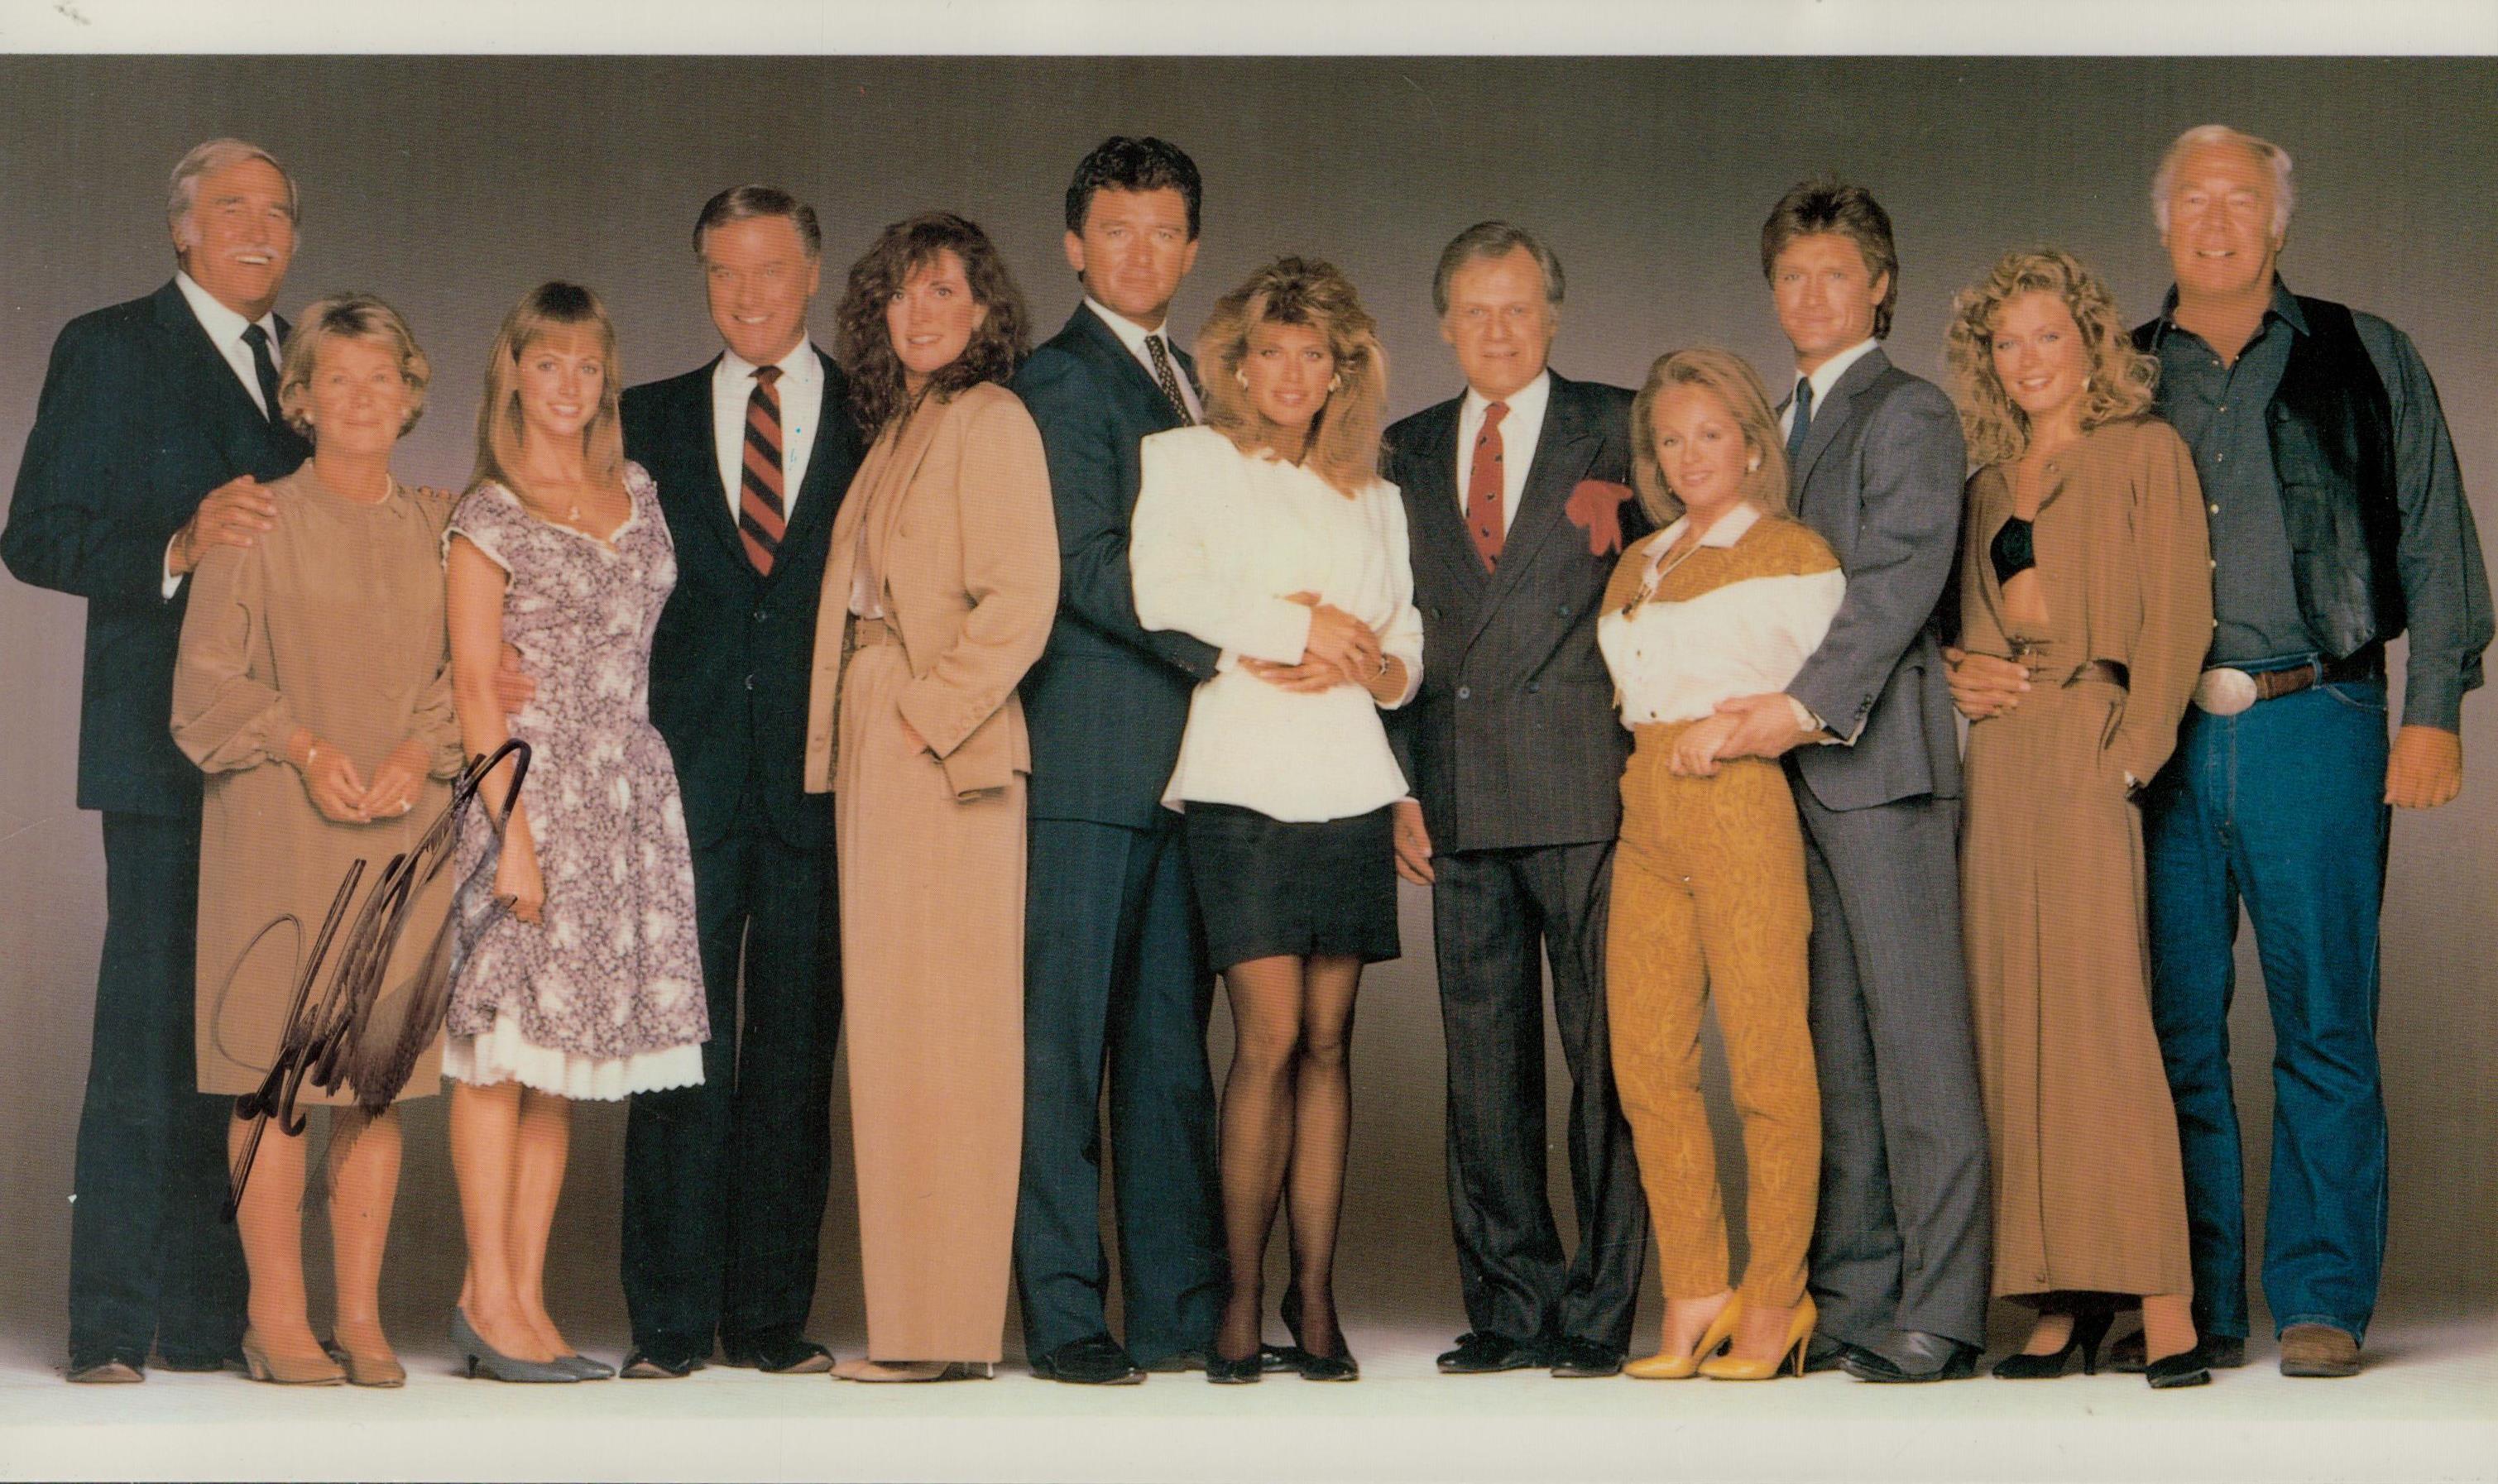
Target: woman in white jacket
1267 534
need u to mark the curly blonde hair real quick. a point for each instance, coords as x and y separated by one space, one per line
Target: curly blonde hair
2121 377
1344 437
1731 379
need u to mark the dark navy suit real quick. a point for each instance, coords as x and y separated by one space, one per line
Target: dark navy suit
725 1182
1114 957
140 418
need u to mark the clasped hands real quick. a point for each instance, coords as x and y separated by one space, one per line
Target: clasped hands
2424 769
1341 650
339 790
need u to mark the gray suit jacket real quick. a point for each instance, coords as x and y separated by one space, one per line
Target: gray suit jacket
1880 477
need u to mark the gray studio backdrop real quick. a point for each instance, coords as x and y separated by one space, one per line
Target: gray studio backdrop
449 186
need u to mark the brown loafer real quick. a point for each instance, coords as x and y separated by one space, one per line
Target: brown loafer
2318 1350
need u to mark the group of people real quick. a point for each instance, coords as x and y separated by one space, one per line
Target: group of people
1102 668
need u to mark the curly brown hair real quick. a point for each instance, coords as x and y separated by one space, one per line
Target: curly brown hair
1343 447
863 345
2121 377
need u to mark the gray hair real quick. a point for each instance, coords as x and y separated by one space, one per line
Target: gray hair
2285 189
216 155
1493 239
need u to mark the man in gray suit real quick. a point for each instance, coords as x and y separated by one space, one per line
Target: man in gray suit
1900 1251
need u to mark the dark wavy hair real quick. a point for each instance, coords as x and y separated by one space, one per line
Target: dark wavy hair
1827 205
1120 163
879 393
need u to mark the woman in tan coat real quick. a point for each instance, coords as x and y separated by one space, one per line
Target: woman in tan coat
2086 560
313 685
939 593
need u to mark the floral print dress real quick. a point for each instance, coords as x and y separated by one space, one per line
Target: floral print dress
604 998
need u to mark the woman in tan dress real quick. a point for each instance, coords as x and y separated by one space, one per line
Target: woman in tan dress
2086 560
939 593
315 689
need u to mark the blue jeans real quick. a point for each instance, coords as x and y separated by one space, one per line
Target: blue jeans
2280 806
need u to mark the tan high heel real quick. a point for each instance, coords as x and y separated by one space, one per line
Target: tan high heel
314 1369
1737 1368
1667 1366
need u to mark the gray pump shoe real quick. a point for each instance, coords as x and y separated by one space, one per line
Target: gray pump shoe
485 1360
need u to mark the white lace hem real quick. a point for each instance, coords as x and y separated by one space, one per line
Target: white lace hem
505 1054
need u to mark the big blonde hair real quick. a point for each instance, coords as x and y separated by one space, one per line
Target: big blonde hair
1343 447
550 308
349 317
1733 381
2121 377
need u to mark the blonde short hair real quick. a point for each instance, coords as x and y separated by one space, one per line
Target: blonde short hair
351 317
1733 381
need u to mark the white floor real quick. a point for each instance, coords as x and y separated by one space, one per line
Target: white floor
2425 1409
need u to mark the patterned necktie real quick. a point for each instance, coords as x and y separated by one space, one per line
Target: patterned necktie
1483 488
263 367
761 514
1164 374
1803 422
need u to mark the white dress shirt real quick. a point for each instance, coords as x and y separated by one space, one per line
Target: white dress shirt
1133 336
1520 429
225 329
1674 660
1824 377
802 406
1221 540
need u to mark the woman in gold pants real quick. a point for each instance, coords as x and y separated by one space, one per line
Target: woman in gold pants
1709 892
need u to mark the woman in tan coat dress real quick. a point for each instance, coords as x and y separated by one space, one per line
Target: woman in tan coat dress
939 593
313 686
2086 560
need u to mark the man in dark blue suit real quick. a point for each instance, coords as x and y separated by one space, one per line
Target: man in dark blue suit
1114 957
157 424
725 1182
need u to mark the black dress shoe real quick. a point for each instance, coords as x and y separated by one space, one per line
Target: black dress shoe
2216 1352
1823 1353
776 1354
199 1362
649 1366
1913 1355
1340 1367
1233 1373
107 1371
1479 1352
1573 1358
1096 1360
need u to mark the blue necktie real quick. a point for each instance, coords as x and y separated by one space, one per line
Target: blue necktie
1803 421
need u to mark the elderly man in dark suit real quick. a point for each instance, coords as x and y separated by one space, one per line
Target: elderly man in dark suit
1516 497
157 425
1115 961
725 1182
1900 1252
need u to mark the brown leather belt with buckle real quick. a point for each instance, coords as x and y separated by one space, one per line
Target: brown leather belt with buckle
2226 692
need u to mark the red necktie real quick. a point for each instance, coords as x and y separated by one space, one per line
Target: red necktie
761 514
1483 486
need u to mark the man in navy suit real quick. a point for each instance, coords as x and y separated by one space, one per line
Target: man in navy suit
157 425
1114 958
1517 495
725 1182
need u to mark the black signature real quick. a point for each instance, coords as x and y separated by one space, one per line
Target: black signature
325 1044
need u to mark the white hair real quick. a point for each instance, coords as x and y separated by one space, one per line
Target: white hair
216 155
2284 190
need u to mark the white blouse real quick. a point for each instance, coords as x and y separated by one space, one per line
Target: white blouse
1729 627
1220 540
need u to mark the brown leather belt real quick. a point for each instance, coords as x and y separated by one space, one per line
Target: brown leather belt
2225 691
871 631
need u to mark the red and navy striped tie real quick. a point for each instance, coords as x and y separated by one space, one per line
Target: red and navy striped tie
761 514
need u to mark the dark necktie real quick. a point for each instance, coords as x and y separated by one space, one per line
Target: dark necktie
1803 422
1484 485
1169 380
761 514
263 367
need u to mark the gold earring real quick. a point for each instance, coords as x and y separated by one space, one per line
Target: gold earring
1241 377
1335 383
1755 467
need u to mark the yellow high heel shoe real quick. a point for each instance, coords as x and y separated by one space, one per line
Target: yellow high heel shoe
1665 1367
1736 1367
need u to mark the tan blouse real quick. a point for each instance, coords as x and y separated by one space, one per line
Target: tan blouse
2125 564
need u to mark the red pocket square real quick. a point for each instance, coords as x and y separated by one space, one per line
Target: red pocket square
1597 507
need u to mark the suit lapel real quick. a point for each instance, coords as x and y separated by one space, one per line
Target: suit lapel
893 481
1434 504
219 405
1127 373
691 428
818 495
1828 418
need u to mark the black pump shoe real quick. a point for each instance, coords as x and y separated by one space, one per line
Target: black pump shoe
1235 1373
2185 1368
2088 1329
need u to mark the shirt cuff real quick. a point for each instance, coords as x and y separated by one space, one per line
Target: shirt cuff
1810 723
173 582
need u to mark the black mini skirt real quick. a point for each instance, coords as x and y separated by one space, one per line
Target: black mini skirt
1267 887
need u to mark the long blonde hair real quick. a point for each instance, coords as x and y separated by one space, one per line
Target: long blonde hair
1734 382
1344 436
2121 377
550 308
